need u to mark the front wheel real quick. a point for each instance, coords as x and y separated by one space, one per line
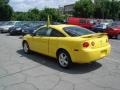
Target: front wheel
26 48
64 59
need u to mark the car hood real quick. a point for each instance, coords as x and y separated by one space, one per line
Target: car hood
6 26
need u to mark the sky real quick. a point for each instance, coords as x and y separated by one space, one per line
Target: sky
25 5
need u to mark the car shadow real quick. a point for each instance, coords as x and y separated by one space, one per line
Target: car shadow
52 63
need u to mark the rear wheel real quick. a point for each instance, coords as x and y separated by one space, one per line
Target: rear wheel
64 59
26 48
118 36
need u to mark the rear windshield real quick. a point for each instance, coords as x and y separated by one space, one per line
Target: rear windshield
77 31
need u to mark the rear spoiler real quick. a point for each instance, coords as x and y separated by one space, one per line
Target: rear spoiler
94 35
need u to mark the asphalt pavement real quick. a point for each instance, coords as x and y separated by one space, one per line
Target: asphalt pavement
19 71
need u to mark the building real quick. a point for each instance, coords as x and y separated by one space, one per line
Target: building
61 10
69 9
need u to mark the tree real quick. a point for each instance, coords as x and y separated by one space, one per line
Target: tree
5 11
37 15
33 15
84 8
99 9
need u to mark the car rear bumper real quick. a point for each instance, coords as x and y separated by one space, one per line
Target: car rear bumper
90 55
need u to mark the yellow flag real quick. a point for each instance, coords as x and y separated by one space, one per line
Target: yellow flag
48 21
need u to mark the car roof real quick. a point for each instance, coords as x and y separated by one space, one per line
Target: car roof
60 26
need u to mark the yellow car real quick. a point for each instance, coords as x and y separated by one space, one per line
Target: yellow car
68 44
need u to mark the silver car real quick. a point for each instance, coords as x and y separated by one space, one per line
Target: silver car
5 27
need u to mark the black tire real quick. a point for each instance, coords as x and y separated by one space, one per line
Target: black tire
26 48
64 63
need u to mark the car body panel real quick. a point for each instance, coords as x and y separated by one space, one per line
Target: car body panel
73 45
113 31
83 22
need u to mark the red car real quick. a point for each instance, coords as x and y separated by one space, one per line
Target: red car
83 22
114 31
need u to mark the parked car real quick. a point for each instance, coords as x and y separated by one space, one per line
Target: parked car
83 22
29 29
114 31
115 23
5 27
17 28
68 43
100 27
25 27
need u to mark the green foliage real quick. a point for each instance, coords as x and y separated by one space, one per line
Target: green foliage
5 11
84 8
99 9
36 15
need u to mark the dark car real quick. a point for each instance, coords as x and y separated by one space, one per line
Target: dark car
100 27
32 27
115 23
25 27
17 29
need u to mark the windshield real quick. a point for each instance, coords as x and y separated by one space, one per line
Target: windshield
10 23
19 23
77 31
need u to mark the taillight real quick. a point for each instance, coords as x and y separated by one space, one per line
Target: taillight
85 44
93 43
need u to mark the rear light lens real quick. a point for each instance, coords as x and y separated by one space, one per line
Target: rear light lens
85 44
93 43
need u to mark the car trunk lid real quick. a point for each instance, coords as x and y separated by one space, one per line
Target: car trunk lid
96 40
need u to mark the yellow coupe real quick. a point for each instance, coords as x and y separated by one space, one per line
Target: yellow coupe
68 44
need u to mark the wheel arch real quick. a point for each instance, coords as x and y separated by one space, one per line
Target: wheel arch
25 41
61 49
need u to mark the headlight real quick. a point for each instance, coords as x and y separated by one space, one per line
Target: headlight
22 30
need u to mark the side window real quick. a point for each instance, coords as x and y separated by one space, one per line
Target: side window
55 33
42 32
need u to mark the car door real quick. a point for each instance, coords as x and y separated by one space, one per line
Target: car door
55 36
40 41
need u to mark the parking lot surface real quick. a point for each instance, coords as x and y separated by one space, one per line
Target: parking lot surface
19 71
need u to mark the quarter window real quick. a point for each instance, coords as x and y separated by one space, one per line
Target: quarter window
55 33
